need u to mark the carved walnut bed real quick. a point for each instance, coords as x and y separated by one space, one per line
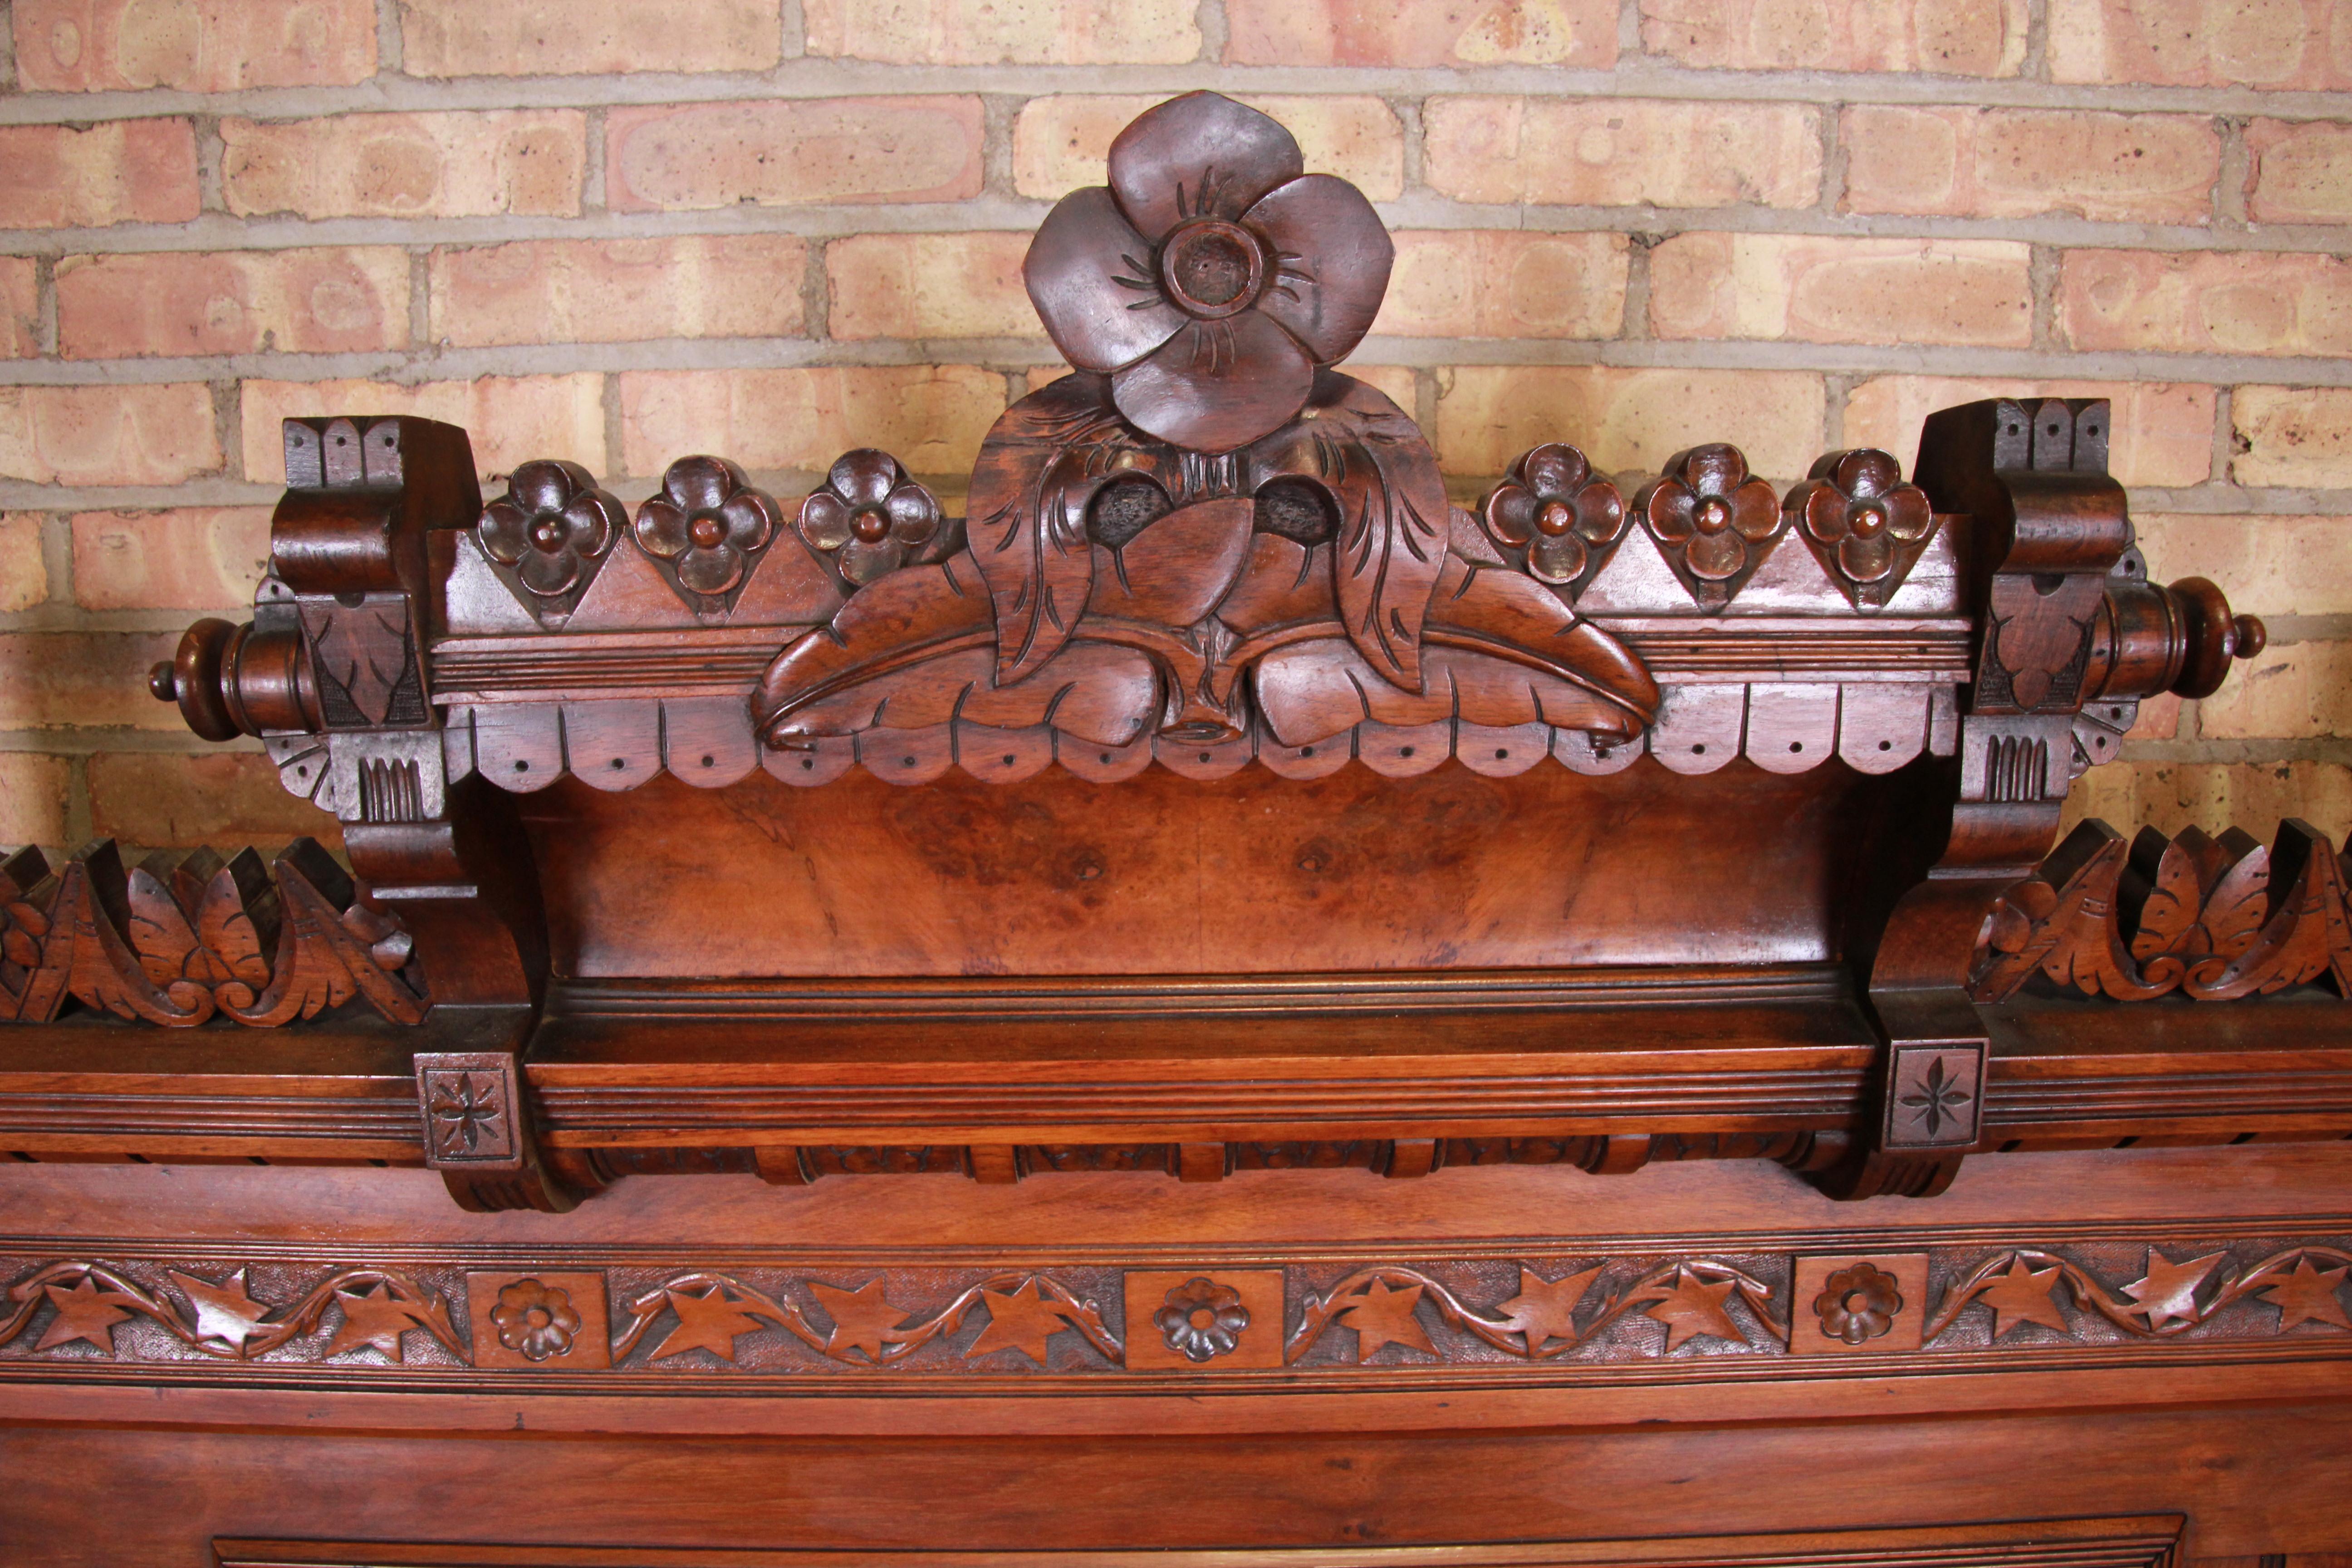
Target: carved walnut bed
1211 819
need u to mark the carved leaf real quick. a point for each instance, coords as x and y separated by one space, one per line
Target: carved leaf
908 618
2167 919
236 931
1512 617
1177 569
1393 523
159 928
1691 1307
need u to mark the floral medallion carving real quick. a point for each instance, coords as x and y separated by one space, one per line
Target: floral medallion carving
535 1320
1858 1303
1566 520
1201 1320
1713 521
705 529
548 535
1865 526
869 517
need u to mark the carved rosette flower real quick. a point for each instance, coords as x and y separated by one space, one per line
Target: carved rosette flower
1711 520
1864 524
1201 1320
548 533
869 517
1553 508
1213 277
1858 1304
705 528
534 1320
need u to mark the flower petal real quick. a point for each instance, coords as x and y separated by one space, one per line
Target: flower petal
588 525
1715 557
1217 385
662 529
1199 155
751 519
1553 470
1755 510
1671 504
914 515
1715 469
1075 270
549 572
1909 514
1825 514
1511 514
1867 473
548 484
504 531
1866 560
700 483
711 571
862 561
1331 263
1600 513
1558 558
826 521
864 476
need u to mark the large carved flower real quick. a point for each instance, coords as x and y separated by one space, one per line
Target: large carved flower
1213 277
535 1320
867 515
1858 507
1709 509
549 526
1201 1320
707 522
1553 507
1858 1304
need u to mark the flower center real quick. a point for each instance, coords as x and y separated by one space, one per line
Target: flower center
548 534
1557 518
1714 517
537 1318
871 525
1212 268
707 531
1857 1302
1202 1317
1868 520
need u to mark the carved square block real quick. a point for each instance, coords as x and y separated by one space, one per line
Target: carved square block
469 1100
1859 1304
1935 1096
1197 1319
528 1322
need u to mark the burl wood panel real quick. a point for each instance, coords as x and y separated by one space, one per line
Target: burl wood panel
1161 875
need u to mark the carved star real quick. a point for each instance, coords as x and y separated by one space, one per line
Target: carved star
1692 1307
224 1311
84 1313
2308 1296
1022 1320
862 1319
2169 1291
1545 1308
1383 1317
375 1317
711 1321
2022 1295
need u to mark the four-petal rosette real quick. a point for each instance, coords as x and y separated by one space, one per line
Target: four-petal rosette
1713 521
869 517
1212 276
705 529
548 534
1866 526
1555 509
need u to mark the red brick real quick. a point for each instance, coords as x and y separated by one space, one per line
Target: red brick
195 45
2162 434
196 558
526 161
2213 302
1815 288
932 417
233 302
1616 152
162 800
107 434
2016 163
1059 143
1044 33
1422 33
707 156
559 37
2302 171
2287 693
2303 44
118 171
24 570
1951 37
511 419
1505 283
929 286
34 791
2169 796
1626 419
2296 435
2272 565
20 308
64 681
617 290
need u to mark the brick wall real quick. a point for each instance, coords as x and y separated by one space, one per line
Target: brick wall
622 230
